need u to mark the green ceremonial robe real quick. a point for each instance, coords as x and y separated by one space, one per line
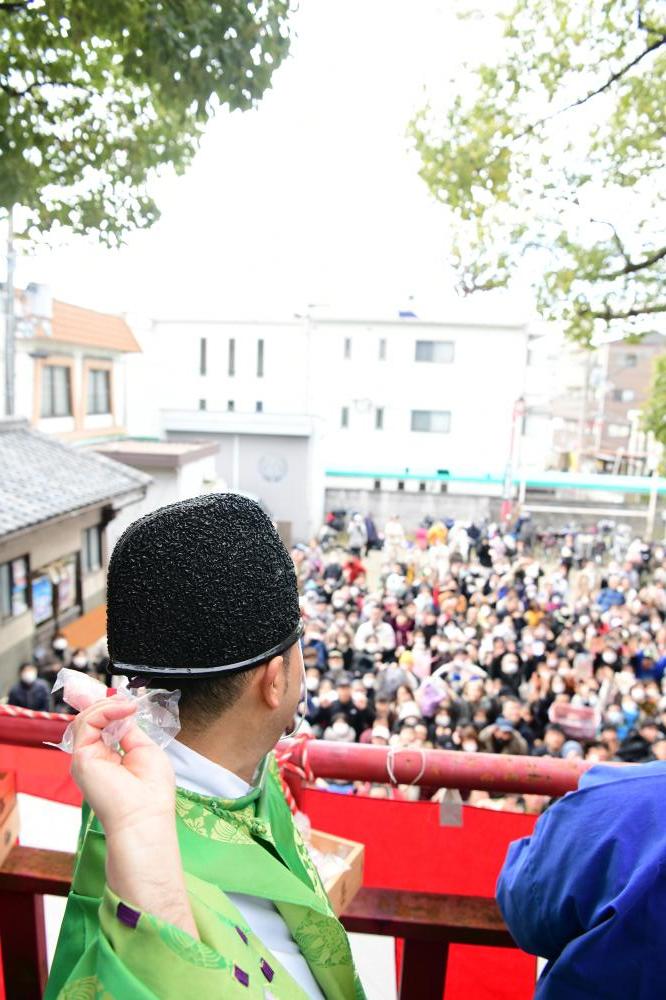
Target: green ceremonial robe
108 950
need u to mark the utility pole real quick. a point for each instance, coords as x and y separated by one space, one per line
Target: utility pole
9 318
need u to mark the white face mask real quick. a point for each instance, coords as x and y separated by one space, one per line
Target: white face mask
29 676
369 682
79 661
470 746
340 728
312 683
59 643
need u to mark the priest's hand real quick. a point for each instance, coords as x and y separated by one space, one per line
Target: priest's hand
127 791
133 795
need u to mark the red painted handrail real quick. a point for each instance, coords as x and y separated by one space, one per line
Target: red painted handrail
365 762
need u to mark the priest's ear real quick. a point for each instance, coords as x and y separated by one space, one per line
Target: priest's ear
273 682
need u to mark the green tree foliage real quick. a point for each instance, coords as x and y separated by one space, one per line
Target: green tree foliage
654 412
557 156
96 94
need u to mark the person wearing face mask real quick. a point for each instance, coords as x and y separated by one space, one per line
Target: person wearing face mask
80 661
30 691
501 737
60 646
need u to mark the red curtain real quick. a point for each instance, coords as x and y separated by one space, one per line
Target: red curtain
406 848
41 771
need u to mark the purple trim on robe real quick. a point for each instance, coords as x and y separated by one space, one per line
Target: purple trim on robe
242 977
242 935
267 971
126 915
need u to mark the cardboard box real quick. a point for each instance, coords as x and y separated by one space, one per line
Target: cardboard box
9 831
7 793
342 887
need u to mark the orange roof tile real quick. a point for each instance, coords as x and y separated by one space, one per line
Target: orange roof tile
76 325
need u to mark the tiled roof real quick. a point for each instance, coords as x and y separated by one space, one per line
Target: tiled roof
88 328
41 478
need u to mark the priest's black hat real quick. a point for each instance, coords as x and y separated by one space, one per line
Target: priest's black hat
200 587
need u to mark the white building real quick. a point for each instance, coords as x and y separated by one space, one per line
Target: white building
299 404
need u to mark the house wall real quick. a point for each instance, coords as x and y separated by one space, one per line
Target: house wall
43 546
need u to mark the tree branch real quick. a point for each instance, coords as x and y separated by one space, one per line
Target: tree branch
609 314
632 266
613 78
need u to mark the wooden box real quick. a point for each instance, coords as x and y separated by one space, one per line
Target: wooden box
9 831
7 793
342 887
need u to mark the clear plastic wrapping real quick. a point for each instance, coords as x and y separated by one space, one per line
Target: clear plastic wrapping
156 710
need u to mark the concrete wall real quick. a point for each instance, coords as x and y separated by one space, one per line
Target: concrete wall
274 468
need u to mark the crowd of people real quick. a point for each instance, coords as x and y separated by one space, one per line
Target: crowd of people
463 637
459 636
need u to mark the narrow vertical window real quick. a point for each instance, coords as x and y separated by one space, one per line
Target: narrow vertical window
379 418
382 348
259 406
344 416
202 356
260 359
347 349
231 406
202 404
232 356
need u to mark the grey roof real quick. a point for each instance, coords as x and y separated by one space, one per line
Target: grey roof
42 478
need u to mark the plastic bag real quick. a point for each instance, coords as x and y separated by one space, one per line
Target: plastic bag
156 710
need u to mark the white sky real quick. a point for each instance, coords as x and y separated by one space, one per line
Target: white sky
312 198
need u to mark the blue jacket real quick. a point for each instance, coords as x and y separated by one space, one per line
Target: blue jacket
587 890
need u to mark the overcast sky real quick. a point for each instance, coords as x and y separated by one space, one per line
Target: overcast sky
314 197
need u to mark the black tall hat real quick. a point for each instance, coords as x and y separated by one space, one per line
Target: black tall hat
200 587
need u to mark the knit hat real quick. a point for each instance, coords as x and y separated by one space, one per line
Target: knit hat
198 588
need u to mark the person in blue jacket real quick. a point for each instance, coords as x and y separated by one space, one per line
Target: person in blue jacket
587 891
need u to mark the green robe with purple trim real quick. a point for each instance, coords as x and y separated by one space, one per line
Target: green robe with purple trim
107 950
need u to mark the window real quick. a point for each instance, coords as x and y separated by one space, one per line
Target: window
202 404
347 349
231 406
422 487
232 357
379 418
14 587
401 485
99 390
377 485
344 416
624 395
439 351
92 549
630 361
382 348
259 406
202 356
260 359
56 391
436 421
618 430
